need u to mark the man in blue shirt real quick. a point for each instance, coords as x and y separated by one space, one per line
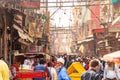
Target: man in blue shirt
42 68
62 73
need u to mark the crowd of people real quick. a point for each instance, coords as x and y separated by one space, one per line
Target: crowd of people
56 68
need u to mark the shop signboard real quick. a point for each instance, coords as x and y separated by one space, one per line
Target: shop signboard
100 30
33 48
29 4
114 28
95 14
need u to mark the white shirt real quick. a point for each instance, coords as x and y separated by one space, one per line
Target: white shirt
111 73
53 73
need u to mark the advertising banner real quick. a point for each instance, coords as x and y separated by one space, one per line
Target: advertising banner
114 28
95 15
30 4
35 31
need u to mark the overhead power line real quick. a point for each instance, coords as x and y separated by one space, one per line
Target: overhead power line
79 5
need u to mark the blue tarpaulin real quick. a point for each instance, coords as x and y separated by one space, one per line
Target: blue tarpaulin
114 1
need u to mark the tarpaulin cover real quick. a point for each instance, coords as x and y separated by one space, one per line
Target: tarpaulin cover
114 56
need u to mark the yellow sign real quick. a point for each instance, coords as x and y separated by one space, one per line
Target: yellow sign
75 70
35 31
32 28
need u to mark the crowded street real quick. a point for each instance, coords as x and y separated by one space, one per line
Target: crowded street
59 39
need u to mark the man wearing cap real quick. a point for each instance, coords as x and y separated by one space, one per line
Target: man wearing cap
62 73
4 70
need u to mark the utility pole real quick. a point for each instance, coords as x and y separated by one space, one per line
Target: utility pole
5 38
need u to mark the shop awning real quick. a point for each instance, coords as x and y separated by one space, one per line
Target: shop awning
61 53
25 36
22 34
101 30
23 42
35 53
86 40
72 54
114 56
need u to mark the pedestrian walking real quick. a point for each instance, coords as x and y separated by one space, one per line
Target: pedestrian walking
92 72
111 71
52 71
14 70
62 73
4 70
42 68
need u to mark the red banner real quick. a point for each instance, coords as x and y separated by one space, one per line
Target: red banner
95 15
101 30
29 4
31 74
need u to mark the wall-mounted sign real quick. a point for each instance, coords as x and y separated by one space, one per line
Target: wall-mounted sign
100 30
114 28
32 48
30 4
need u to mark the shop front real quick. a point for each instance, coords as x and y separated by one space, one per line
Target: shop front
86 47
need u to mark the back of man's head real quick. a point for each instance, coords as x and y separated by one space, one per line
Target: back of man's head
94 63
42 61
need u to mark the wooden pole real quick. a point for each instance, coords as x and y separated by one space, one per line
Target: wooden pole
1 45
5 39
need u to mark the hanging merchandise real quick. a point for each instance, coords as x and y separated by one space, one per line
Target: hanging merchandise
44 38
32 27
44 17
116 5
